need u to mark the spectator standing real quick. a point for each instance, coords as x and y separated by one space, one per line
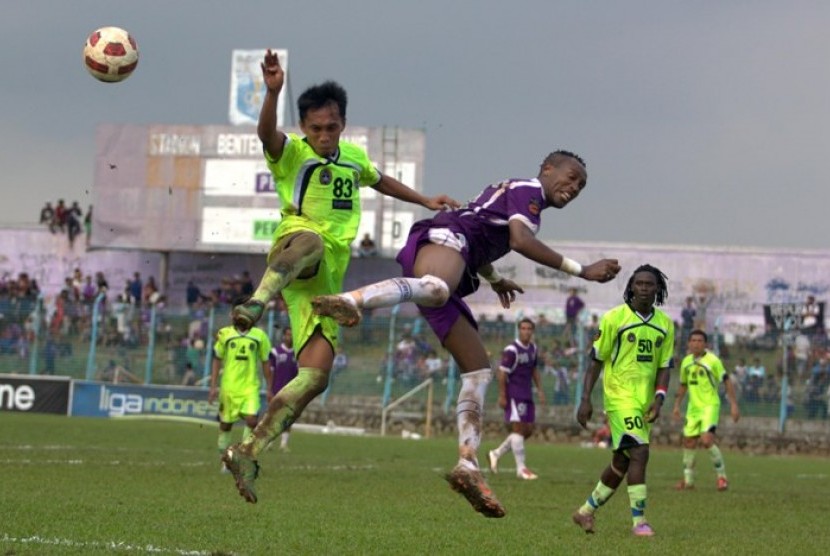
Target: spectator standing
60 215
687 322
88 225
135 289
573 306
47 216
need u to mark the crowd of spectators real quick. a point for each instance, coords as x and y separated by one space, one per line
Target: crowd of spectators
69 220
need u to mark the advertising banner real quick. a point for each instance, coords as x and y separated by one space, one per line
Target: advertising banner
34 394
100 399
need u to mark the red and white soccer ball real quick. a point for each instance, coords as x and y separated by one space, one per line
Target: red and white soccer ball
110 54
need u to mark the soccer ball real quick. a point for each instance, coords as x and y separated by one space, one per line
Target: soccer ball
110 54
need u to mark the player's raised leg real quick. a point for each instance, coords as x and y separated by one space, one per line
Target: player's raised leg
288 259
345 308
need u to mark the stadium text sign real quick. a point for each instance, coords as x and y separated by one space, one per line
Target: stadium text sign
22 393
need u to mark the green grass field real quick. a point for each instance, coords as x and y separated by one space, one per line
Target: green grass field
86 486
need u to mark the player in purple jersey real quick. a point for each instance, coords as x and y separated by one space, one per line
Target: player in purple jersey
283 370
518 373
440 261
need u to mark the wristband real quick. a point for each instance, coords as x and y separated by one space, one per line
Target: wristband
661 392
570 266
493 277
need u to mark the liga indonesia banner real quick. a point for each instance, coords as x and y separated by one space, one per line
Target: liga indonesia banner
100 399
248 88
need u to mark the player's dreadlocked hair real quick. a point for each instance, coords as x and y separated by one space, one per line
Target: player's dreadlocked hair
662 286
556 156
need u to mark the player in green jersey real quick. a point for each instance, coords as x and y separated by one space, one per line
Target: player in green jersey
238 351
318 180
633 348
701 372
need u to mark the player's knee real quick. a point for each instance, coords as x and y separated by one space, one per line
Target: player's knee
438 292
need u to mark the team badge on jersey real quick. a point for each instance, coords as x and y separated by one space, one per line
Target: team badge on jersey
325 176
534 207
631 337
658 342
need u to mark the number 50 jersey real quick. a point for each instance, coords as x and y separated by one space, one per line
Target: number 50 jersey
632 349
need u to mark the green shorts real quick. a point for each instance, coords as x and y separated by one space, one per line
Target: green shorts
327 280
700 420
233 406
628 428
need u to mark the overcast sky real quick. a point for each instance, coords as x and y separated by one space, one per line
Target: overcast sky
703 123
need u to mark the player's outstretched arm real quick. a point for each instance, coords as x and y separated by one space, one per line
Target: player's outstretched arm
273 76
523 242
393 188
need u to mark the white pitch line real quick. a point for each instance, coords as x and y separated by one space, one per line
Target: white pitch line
26 461
109 545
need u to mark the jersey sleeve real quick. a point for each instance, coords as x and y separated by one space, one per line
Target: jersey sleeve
604 343
264 347
369 175
667 353
508 359
219 345
684 373
290 152
524 204
719 371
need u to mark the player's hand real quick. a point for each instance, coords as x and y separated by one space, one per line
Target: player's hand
212 395
542 399
272 73
442 202
736 413
601 271
676 413
584 413
502 401
653 411
506 290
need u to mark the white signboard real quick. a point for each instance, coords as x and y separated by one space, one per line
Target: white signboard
239 226
248 88
238 178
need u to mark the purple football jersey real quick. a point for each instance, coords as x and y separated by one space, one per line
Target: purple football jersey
283 367
518 362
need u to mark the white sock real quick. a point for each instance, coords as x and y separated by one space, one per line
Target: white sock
284 439
428 291
504 447
517 442
469 415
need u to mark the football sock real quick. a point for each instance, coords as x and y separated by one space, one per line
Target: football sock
285 408
284 439
224 440
717 460
304 251
517 443
637 497
598 497
688 466
504 447
427 290
468 414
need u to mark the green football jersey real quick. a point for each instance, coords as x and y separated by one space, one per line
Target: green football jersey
702 377
241 355
632 350
322 193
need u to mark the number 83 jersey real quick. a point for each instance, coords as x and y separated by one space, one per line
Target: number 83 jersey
320 192
632 348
